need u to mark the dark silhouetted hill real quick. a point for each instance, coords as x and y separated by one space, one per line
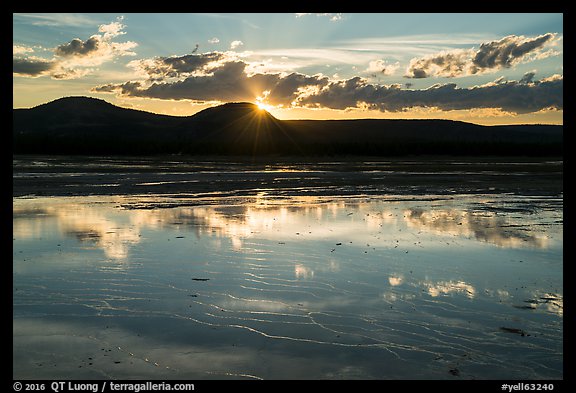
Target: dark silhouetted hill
82 125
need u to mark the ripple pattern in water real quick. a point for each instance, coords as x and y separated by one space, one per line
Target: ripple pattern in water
261 287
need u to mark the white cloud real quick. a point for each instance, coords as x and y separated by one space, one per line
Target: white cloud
32 66
20 49
178 67
236 44
491 56
333 17
55 19
381 67
73 59
512 96
112 30
213 76
219 76
306 57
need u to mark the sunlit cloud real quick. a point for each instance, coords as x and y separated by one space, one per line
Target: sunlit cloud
236 44
112 29
21 49
234 76
306 57
97 49
512 96
32 66
217 76
382 67
303 71
212 76
489 57
72 59
179 67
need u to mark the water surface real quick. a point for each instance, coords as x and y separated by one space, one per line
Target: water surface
267 283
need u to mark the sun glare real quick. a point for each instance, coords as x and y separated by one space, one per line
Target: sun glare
261 99
263 107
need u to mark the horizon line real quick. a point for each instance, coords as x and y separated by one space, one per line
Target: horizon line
293 119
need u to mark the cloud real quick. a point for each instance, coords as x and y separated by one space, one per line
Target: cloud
490 57
508 51
528 77
382 67
32 66
331 16
112 29
224 76
213 40
20 50
227 82
236 44
161 68
524 96
288 90
447 64
54 19
213 77
97 49
77 47
71 59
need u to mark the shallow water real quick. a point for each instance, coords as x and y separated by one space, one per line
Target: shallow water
266 284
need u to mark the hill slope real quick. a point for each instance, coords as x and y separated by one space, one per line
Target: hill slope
82 125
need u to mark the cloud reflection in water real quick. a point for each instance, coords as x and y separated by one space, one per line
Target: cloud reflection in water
285 273
311 218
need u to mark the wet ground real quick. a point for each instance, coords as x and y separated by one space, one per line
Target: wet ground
207 176
206 269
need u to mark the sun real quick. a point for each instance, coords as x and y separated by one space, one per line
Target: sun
261 99
263 107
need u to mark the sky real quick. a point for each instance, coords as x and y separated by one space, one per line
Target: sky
484 68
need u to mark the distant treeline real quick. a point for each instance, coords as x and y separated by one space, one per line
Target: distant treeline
85 126
27 144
